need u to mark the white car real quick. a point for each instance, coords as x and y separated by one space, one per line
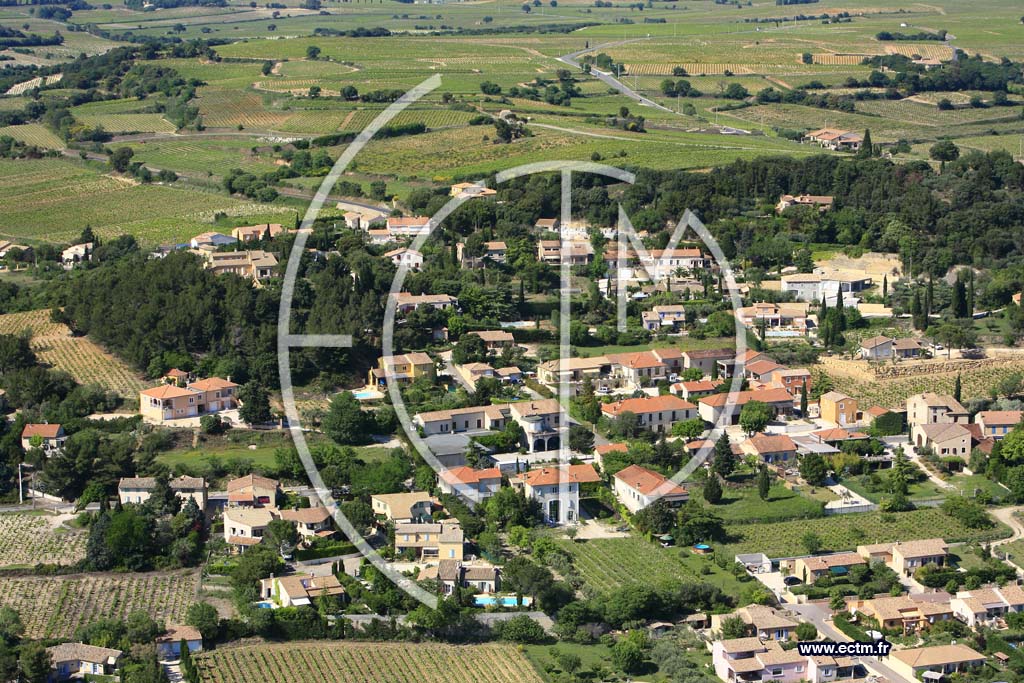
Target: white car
604 391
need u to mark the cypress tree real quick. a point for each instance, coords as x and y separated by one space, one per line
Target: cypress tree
928 299
867 150
803 400
764 482
957 388
916 312
885 288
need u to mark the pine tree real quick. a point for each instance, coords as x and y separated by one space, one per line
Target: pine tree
725 459
712 490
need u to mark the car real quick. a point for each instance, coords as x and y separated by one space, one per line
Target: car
792 581
674 377
604 391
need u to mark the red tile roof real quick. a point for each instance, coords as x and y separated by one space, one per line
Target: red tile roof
45 431
647 481
651 404
549 476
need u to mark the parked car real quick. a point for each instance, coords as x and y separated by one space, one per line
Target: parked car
792 581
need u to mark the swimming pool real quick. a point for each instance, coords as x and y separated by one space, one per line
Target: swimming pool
500 600
265 605
365 394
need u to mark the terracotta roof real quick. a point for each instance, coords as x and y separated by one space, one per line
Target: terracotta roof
211 384
166 391
874 342
611 448
175 372
906 344
923 548
243 540
316 515
177 633
839 434
944 431
253 480
45 431
742 397
772 443
761 367
493 335
1001 418
651 404
407 221
468 475
640 359
80 652
401 504
547 406
834 396
925 657
877 411
701 385
549 476
738 645
825 562
303 586
647 481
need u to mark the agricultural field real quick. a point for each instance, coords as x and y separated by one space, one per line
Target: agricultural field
610 563
53 199
321 662
29 539
56 606
130 123
845 532
34 134
80 357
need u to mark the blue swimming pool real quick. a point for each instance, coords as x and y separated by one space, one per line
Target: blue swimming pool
364 395
501 600
265 605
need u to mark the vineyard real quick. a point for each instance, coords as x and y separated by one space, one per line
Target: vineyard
78 356
845 532
27 540
34 134
55 607
130 123
366 663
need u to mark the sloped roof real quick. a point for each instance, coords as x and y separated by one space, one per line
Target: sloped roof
549 476
648 481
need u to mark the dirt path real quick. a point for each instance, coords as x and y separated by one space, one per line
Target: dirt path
1008 516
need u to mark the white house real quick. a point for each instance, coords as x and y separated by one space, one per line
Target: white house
74 660
410 258
76 254
168 646
557 489
637 487
476 485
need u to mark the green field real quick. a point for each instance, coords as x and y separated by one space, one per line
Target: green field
52 200
742 504
845 532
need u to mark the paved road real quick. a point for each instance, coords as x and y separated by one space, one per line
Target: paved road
821 618
572 60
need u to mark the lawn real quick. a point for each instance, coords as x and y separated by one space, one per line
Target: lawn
741 503
257 447
920 490
846 532
1015 551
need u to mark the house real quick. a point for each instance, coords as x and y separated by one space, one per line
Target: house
821 202
995 424
430 541
751 659
907 347
673 317
75 254
313 522
471 190
761 370
459 420
451 573
360 219
656 413
510 374
404 507
78 660
696 389
557 489
495 340
252 490
779 319
827 285
835 140
178 378
379 236
931 408
905 614
940 659
573 371
794 380
244 527
575 252
493 251
408 226
666 263
476 485
637 369
810 569
906 557
604 449
837 435
637 487
211 241
257 265
771 449
876 348
547 224
988 606
299 589
257 233
837 408
706 360
167 402
714 406
472 372
168 645
49 437
18 251
405 302
541 422
402 369
943 438
766 622
403 256
139 489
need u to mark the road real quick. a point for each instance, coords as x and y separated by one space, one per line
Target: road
572 60
820 617
1008 517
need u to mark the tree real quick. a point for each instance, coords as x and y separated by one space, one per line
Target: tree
688 429
917 312
813 469
764 482
581 439
957 389
345 422
121 159
712 490
34 663
803 400
523 630
755 416
11 626
312 52
811 542
944 150
733 627
627 655
203 616
806 631
281 535
255 403
725 460
958 306
867 150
